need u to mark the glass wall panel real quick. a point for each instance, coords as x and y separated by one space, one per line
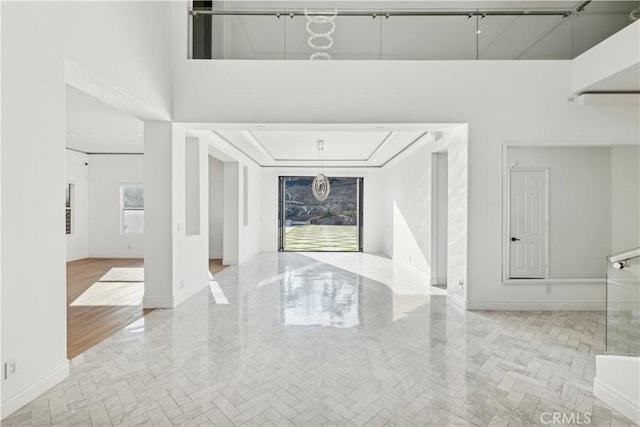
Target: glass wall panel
248 37
428 37
355 37
623 307
505 35
524 37
598 21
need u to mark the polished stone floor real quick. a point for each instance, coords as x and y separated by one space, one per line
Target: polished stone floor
304 342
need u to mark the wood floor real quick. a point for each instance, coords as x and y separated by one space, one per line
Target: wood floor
103 296
215 266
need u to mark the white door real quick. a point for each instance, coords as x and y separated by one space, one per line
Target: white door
528 224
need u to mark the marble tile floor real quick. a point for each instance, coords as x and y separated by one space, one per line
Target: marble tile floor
318 345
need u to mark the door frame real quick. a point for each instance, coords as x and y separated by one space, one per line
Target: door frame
506 223
282 209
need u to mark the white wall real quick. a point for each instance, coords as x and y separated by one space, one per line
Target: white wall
132 57
518 101
78 175
579 210
158 221
190 253
408 207
441 208
250 240
216 207
625 198
372 201
231 220
106 175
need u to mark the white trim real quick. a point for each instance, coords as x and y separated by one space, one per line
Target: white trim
601 281
38 387
506 219
534 144
189 291
128 254
229 261
540 305
157 302
538 144
616 400
216 255
457 299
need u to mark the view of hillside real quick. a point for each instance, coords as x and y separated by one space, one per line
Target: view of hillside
340 208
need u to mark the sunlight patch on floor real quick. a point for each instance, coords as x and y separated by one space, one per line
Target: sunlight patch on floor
218 294
111 294
124 274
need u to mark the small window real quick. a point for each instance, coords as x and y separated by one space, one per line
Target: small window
132 208
69 207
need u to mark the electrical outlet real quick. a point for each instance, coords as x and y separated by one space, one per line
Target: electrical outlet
181 284
10 369
461 283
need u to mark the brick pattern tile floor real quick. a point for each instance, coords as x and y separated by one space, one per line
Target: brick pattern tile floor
246 363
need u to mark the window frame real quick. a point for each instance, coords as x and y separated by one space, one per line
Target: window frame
123 209
69 186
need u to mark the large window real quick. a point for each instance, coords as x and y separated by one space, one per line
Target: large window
69 208
307 224
132 202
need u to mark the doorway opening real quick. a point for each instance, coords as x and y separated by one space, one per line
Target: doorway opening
439 218
332 225
105 220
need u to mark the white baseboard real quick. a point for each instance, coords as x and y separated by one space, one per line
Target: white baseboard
39 387
539 306
157 302
117 255
457 300
617 401
190 291
582 282
229 261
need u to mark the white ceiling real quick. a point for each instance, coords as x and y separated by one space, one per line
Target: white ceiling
370 145
303 146
95 127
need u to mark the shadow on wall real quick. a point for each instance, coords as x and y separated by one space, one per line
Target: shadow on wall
405 245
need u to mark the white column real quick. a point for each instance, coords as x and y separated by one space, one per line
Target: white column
231 234
158 255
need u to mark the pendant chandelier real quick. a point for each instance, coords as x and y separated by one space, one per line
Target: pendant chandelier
320 41
320 186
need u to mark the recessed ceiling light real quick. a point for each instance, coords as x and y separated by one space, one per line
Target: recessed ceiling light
380 127
72 134
140 134
260 126
479 32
